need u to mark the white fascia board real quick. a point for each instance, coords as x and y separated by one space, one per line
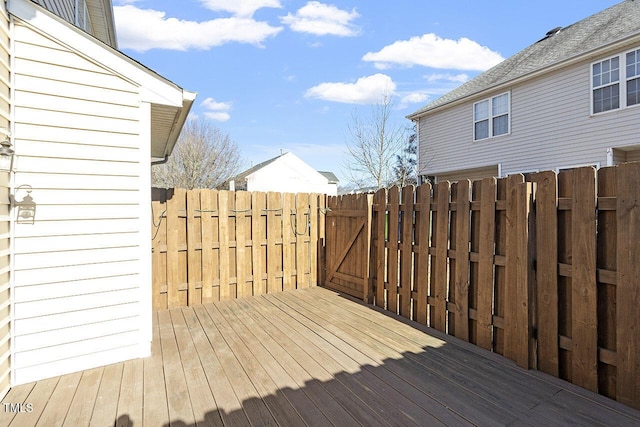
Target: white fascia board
154 88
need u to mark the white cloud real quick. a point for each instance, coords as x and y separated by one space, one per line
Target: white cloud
454 78
244 8
144 29
413 98
432 51
366 90
218 111
322 19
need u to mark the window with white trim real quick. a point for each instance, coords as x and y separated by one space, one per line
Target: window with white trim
615 82
491 117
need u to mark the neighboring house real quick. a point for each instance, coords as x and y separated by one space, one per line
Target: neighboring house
286 173
570 99
85 122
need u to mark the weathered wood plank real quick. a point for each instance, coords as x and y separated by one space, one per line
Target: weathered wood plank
203 405
406 255
178 400
607 261
130 400
229 408
392 251
84 399
439 288
174 233
461 279
155 409
584 286
242 234
301 226
243 388
258 233
628 291
547 271
274 233
314 218
194 260
421 259
227 290
288 242
486 266
380 199
106 407
209 265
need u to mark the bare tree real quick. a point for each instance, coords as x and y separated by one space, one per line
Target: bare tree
375 142
204 157
405 169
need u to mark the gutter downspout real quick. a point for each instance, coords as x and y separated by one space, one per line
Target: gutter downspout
161 162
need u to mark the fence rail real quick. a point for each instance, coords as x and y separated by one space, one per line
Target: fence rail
213 245
545 272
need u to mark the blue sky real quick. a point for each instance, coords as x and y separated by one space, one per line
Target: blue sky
289 74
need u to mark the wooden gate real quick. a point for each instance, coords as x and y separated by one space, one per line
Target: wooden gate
348 243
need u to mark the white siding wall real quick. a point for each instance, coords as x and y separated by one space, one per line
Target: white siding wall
80 269
5 314
551 127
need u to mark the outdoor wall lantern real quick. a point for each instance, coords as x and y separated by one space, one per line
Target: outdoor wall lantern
26 207
6 151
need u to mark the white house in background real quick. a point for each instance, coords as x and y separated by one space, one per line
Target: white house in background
570 99
85 122
286 173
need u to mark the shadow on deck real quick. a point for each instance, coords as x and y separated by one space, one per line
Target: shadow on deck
308 357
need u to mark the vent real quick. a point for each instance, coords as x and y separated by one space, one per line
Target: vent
550 33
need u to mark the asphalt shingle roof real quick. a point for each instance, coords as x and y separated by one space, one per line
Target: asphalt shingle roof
615 23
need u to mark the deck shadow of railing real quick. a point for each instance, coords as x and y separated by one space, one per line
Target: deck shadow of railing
425 398
392 374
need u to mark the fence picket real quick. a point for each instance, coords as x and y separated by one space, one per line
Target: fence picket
628 290
547 271
380 221
440 272
461 280
209 264
584 292
406 264
258 233
392 251
421 259
224 230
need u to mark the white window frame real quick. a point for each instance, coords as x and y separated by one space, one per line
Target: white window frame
82 14
490 117
622 82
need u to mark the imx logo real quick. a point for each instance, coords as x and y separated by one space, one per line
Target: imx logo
18 407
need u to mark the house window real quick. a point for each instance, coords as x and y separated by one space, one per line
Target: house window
615 82
606 85
491 117
633 77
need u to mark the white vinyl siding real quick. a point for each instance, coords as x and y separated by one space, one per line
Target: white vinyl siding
5 308
544 135
78 270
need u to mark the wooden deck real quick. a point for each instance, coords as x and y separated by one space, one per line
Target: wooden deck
307 357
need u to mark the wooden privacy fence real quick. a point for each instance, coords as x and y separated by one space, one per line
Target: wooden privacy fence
213 245
544 272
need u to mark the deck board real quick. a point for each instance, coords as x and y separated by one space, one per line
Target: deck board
308 357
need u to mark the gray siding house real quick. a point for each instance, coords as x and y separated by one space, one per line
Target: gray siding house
570 99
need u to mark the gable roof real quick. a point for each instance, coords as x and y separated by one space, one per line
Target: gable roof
241 179
617 23
331 177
